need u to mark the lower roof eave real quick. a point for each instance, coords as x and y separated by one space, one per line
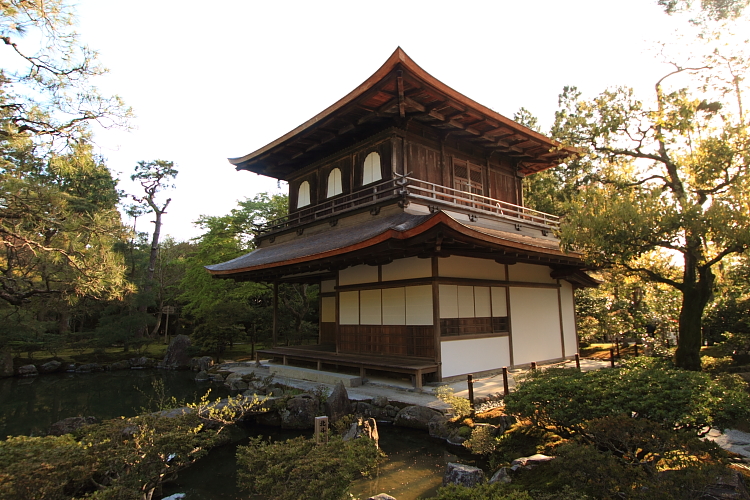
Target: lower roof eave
438 234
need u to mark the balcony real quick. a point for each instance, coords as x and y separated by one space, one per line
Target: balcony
407 190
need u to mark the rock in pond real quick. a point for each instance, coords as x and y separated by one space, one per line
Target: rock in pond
382 496
27 371
464 475
90 368
416 417
502 475
363 427
300 412
120 365
50 366
202 364
337 405
201 377
177 357
70 424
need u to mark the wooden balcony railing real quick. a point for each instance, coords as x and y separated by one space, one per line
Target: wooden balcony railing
431 193
409 188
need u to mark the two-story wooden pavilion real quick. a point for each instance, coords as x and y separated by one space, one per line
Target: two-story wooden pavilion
405 204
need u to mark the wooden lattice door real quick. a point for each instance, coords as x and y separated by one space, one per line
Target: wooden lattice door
467 178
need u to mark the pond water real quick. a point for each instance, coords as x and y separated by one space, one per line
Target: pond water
29 406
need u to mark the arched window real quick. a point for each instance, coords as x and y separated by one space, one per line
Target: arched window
371 169
334 183
303 195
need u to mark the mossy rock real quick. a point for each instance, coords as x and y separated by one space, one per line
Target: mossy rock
464 431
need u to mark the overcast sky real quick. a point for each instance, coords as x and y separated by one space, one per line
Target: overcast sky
209 81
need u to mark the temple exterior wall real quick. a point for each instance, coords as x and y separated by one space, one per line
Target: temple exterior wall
474 355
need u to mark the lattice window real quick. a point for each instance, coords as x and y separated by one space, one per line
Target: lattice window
467 177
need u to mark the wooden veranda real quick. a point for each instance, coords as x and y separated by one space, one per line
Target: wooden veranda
325 355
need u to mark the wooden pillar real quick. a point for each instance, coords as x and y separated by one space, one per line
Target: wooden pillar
562 323
275 331
435 321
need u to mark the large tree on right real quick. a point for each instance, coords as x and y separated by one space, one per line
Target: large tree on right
668 196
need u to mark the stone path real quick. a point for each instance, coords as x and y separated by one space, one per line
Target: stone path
731 440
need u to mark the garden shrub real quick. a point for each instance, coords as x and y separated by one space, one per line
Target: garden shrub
495 491
645 387
119 459
44 468
461 406
299 468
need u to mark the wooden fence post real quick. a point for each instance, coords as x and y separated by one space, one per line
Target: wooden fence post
470 381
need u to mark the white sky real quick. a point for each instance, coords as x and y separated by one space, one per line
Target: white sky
209 81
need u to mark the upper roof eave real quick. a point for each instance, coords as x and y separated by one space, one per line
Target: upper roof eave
399 57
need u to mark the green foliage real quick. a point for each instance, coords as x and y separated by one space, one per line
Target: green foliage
496 491
668 177
646 387
118 459
44 468
298 468
461 407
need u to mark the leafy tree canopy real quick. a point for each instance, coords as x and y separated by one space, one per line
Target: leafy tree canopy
668 177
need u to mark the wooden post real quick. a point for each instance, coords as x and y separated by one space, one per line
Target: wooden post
470 380
635 347
166 330
612 358
275 331
578 362
505 381
617 346
533 365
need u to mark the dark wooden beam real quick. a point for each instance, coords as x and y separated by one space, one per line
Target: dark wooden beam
401 102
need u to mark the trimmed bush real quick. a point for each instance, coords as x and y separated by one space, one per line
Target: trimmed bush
647 388
299 468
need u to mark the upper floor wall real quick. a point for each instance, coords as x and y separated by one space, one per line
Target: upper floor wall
417 152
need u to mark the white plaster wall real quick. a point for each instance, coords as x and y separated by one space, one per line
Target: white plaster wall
404 269
467 267
394 306
482 302
419 305
567 300
530 272
468 356
327 286
358 274
448 298
370 307
465 301
499 302
328 309
349 308
535 323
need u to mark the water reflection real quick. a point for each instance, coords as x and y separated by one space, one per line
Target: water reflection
28 406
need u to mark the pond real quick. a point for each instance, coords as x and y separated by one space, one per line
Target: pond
29 406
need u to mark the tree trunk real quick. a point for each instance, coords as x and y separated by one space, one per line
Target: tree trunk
148 286
695 296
